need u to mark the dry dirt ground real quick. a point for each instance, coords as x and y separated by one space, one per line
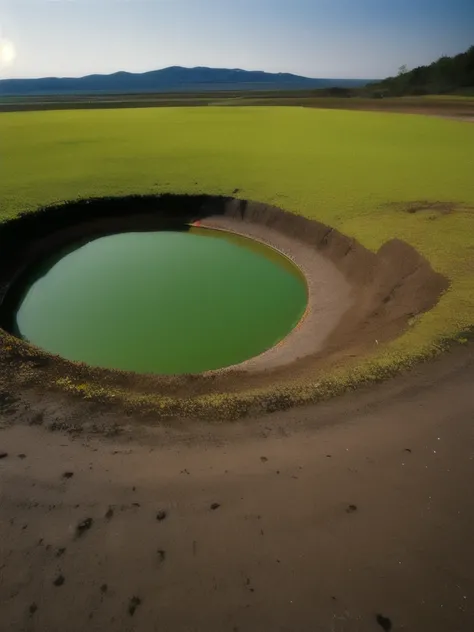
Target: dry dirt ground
355 515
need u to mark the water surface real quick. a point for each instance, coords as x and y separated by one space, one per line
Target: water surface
164 302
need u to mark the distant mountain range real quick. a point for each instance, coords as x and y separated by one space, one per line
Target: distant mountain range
172 79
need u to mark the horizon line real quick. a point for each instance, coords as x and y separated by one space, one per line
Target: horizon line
131 72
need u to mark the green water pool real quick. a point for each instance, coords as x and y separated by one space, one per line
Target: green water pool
165 302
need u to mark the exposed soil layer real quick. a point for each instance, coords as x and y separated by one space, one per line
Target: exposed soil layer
387 288
329 296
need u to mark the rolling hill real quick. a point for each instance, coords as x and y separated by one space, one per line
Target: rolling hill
172 79
447 75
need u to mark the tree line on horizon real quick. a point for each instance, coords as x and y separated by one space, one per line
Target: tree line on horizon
447 75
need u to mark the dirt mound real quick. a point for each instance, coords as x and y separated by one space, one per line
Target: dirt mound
387 288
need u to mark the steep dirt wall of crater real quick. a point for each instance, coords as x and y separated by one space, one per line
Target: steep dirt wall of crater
389 287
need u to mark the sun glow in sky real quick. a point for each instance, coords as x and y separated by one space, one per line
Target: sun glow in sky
367 39
7 52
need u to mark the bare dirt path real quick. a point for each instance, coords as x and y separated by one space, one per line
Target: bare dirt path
351 516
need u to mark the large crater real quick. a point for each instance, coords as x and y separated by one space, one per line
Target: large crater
356 298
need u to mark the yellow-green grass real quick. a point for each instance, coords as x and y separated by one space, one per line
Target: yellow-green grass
356 171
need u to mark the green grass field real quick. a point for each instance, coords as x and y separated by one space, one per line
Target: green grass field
353 170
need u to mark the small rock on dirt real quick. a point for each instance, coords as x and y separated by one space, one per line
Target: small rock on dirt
133 605
384 622
33 608
59 581
68 474
215 506
161 556
104 588
109 513
22 456
84 526
161 515
248 585
263 459
3 455
351 509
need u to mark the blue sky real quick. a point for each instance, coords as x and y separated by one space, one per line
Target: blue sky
317 38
